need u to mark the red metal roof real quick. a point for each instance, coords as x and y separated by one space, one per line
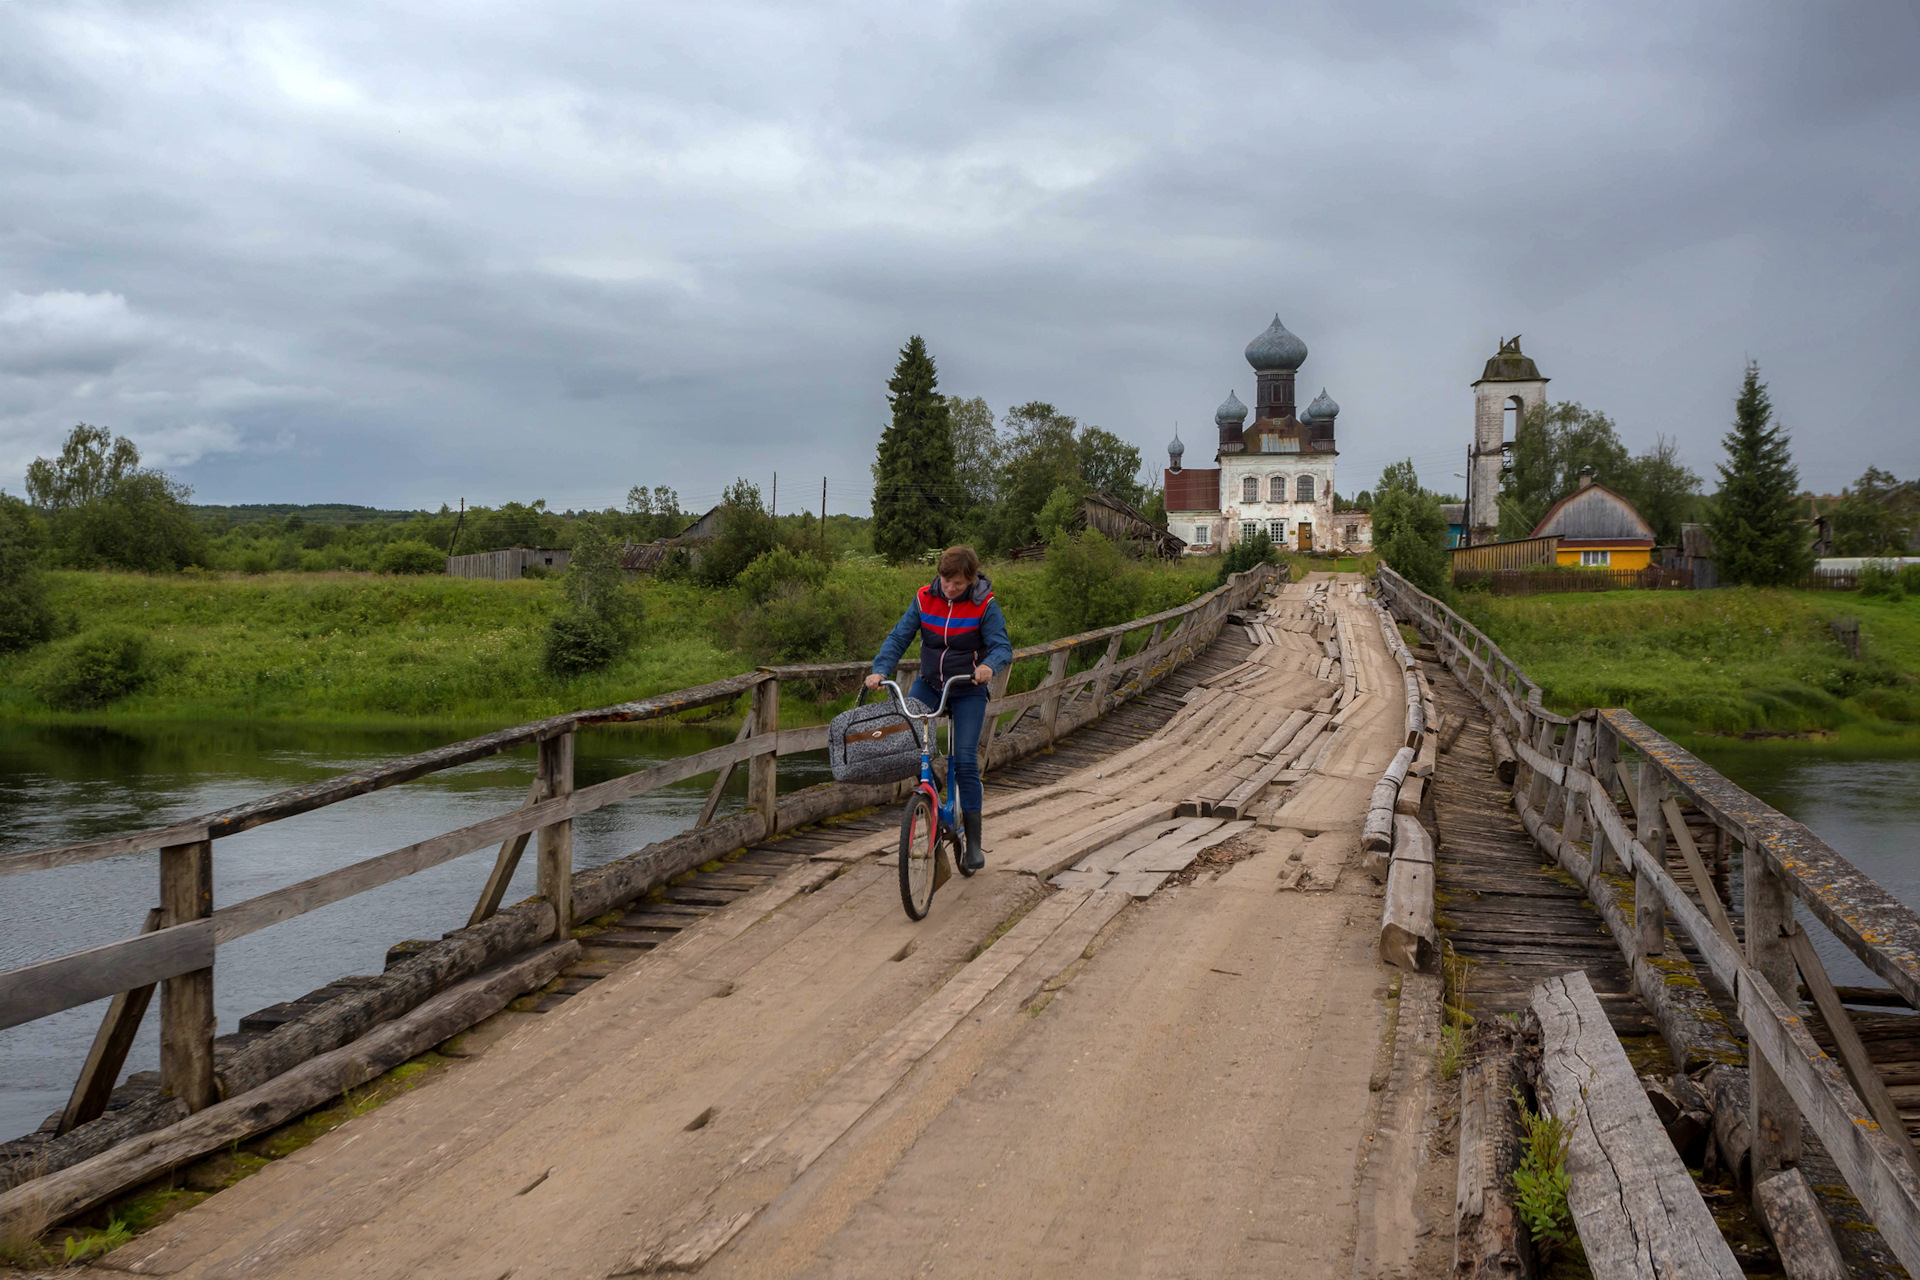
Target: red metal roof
1193 489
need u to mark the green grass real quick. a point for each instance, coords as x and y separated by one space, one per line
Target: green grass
1731 661
383 650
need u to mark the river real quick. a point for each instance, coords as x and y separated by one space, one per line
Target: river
61 785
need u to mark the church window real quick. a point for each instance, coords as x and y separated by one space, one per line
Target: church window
1250 489
1202 535
1269 444
1277 530
1277 489
1247 529
1303 491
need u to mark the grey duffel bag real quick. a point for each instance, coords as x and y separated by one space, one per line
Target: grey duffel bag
873 742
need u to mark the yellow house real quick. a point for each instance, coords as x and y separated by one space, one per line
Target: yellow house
1598 529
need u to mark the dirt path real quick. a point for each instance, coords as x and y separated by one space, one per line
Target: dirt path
1031 1081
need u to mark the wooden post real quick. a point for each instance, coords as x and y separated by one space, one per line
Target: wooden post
186 1002
1773 1122
1606 751
1650 829
763 770
1056 672
1561 810
1543 782
556 841
109 1052
996 689
1105 682
726 776
505 863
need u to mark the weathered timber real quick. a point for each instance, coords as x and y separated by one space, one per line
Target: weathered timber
1853 1054
109 1050
1505 763
186 1000
1488 1239
1450 727
1407 937
36 990
1799 1228
1377 834
1638 1212
60 1196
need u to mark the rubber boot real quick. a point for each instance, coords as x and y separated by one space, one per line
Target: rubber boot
974 858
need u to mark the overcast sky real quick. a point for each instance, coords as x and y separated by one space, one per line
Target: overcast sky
399 254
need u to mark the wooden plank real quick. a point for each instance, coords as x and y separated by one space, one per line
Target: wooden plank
1799 1227
1638 1212
243 918
1164 855
1697 871
1853 1054
1284 734
109 1052
60 1196
1407 936
720 781
507 861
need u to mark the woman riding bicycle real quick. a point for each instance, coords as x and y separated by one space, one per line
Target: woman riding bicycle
962 632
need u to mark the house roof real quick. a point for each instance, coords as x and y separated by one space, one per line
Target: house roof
1594 511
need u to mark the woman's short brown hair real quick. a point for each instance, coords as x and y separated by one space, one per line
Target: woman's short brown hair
959 562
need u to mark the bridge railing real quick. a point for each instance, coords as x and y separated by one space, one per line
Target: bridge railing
178 949
1572 769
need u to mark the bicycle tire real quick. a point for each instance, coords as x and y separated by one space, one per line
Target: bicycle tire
918 828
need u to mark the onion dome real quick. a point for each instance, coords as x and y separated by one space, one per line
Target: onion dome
1323 408
1176 450
1276 350
1230 413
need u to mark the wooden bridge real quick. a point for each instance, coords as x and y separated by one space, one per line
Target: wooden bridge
1262 870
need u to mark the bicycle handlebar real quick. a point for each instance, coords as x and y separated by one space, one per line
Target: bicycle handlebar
901 698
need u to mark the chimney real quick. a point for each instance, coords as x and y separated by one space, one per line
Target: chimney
1586 476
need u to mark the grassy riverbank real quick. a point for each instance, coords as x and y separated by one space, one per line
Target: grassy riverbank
378 650
1736 661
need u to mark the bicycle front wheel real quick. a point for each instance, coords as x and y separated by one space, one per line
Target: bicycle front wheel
918 826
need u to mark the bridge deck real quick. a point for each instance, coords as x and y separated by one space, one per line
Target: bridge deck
1136 1071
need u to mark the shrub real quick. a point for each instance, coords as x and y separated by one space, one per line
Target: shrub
746 533
25 619
773 570
578 643
1409 530
1245 554
1541 1179
1089 583
837 619
410 556
94 670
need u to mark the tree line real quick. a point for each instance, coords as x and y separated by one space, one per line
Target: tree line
1758 516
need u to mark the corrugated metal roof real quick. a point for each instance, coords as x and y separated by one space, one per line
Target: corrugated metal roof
1194 489
1594 512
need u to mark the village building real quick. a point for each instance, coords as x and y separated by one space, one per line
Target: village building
1509 388
1597 529
1275 476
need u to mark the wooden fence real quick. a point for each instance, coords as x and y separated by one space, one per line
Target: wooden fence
178 949
509 565
1533 582
1571 768
1493 557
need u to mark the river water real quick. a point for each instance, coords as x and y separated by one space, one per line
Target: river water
61 785
1866 807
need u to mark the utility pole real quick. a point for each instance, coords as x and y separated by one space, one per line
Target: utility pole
775 504
454 541
823 517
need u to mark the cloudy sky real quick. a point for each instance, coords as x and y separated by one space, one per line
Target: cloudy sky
404 253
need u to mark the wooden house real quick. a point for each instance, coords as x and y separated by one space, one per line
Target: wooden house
1597 529
645 557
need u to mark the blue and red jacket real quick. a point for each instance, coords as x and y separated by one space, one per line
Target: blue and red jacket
955 635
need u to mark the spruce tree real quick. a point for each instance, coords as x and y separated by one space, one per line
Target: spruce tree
913 480
1758 539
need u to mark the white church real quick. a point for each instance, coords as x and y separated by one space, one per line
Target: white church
1276 475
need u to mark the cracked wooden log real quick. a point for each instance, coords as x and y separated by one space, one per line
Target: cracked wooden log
1488 1240
1638 1212
1505 763
1377 835
1408 939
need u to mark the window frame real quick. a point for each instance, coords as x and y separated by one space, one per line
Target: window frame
1277 532
1248 528
1304 487
1596 559
1280 483
1249 483
1202 535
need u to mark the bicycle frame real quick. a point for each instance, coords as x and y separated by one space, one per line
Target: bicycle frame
948 813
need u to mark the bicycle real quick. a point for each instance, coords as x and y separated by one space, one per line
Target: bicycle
925 823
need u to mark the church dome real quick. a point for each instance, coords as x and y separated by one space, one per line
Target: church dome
1230 411
1276 350
1323 408
1176 450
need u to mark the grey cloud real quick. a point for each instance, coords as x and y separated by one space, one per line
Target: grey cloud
400 254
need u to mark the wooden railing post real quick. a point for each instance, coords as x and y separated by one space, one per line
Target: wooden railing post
1573 803
1542 782
556 841
186 1002
1773 1120
1650 829
1102 685
996 690
763 771
1606 751
109 1051
1056 672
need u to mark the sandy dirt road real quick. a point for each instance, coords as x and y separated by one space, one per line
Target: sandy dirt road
1033 1081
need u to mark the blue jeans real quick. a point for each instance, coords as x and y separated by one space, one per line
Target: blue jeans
967 704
